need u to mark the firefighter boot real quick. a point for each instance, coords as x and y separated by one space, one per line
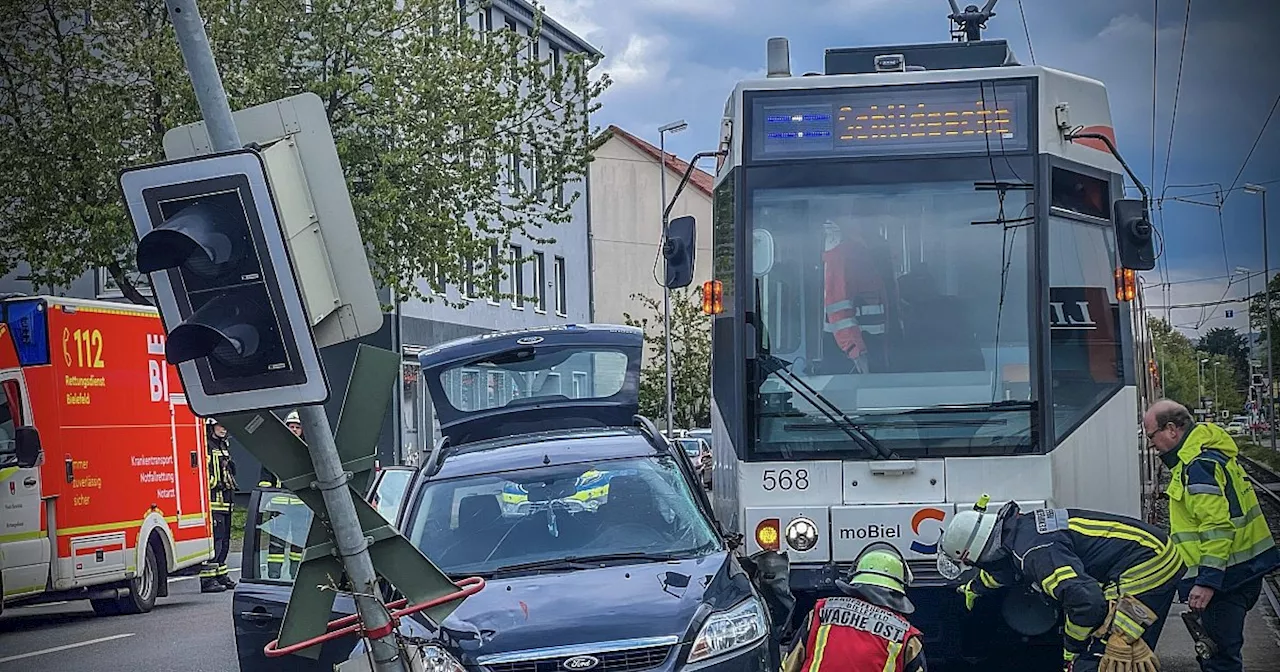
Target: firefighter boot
225 579
210 585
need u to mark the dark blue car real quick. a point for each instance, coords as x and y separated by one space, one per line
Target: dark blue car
640 580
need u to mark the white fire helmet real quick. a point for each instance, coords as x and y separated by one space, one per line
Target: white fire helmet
965 538
292 418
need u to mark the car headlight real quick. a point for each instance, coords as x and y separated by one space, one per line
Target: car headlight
436 659
727 631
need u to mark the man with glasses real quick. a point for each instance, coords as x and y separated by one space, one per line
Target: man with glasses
1216 525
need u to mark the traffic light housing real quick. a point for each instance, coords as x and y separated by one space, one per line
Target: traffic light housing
210 238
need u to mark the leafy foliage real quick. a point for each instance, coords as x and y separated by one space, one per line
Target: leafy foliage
1182 372
690 360
453 140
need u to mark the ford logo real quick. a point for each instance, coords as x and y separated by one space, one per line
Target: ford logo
534 340
580 663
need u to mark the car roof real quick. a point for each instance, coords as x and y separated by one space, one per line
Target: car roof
527 451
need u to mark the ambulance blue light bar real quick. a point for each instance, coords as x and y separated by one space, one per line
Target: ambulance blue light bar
29 327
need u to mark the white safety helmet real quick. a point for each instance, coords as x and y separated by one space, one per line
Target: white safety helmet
292 418
965 539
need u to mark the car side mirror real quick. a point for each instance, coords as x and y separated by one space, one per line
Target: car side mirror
679 250
1134 235
28 450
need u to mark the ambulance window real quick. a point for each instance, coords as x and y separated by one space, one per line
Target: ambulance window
10 418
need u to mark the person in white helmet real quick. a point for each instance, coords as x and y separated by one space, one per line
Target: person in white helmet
1114 577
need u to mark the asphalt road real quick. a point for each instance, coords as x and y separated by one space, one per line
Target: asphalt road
186 631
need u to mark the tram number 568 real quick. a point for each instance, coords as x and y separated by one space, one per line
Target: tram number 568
785 479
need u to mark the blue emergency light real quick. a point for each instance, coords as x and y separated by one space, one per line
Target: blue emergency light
29 326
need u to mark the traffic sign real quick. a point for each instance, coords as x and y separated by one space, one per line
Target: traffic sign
209 237
296 143
403 565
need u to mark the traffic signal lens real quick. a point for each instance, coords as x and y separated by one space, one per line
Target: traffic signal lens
208 238
236 330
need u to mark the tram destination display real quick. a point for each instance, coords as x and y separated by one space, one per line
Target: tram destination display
949 118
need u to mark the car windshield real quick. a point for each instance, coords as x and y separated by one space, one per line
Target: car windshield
634 507
691 446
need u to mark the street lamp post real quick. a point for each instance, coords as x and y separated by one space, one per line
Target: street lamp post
1200 379
1248 319
673 127
1260 190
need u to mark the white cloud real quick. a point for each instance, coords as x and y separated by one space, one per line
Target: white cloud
639 63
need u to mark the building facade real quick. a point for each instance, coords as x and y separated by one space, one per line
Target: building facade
626 222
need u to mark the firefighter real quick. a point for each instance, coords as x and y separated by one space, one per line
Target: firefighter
214 575
1218 525
282 553
860 297
1114 577
866 630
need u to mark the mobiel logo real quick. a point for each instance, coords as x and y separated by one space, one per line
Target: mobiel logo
871 531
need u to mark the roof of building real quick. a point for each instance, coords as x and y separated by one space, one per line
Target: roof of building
704 181
552 27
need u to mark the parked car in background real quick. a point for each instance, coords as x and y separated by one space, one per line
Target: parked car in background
1236 428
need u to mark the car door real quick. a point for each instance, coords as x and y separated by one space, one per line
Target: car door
389 490
274 537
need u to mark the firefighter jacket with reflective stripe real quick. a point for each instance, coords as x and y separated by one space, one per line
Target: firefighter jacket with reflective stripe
222 479
1214 515
846 634
1082 559
859 298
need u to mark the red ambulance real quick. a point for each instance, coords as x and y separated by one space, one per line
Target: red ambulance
103 485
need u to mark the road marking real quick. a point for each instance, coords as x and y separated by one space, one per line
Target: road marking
56 649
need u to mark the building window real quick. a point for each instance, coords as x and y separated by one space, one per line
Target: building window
562 293
486 19
468 278
535 173
555 71
441 287
535 49
540 281
512 26
513 172
517 277
495 274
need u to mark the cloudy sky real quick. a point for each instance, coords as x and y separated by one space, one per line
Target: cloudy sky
679 59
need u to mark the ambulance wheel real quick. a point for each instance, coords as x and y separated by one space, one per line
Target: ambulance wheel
143 589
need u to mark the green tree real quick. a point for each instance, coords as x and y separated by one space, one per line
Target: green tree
453 140
1177 362
1258 319
1231 344
690 359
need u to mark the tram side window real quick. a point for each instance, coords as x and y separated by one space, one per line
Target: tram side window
1080 193
1084 317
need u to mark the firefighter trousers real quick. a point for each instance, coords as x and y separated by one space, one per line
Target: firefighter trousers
216 570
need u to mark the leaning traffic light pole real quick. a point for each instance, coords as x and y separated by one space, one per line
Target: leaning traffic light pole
232 307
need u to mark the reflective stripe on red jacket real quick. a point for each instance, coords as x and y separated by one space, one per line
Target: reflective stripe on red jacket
854 295
849 635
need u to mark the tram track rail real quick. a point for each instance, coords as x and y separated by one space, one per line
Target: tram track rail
1265 483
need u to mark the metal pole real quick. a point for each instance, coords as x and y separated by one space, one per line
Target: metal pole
330 477
666 292
1266 278
1200 381
1248 362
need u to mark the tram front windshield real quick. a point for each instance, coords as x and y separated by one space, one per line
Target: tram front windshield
898 292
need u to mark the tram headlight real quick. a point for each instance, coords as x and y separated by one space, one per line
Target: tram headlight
802 534
767 536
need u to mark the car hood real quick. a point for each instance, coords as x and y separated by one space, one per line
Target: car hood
622 601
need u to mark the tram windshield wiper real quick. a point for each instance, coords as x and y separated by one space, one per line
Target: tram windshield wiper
1006 405
839 418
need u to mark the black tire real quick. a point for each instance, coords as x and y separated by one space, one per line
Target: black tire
143 588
